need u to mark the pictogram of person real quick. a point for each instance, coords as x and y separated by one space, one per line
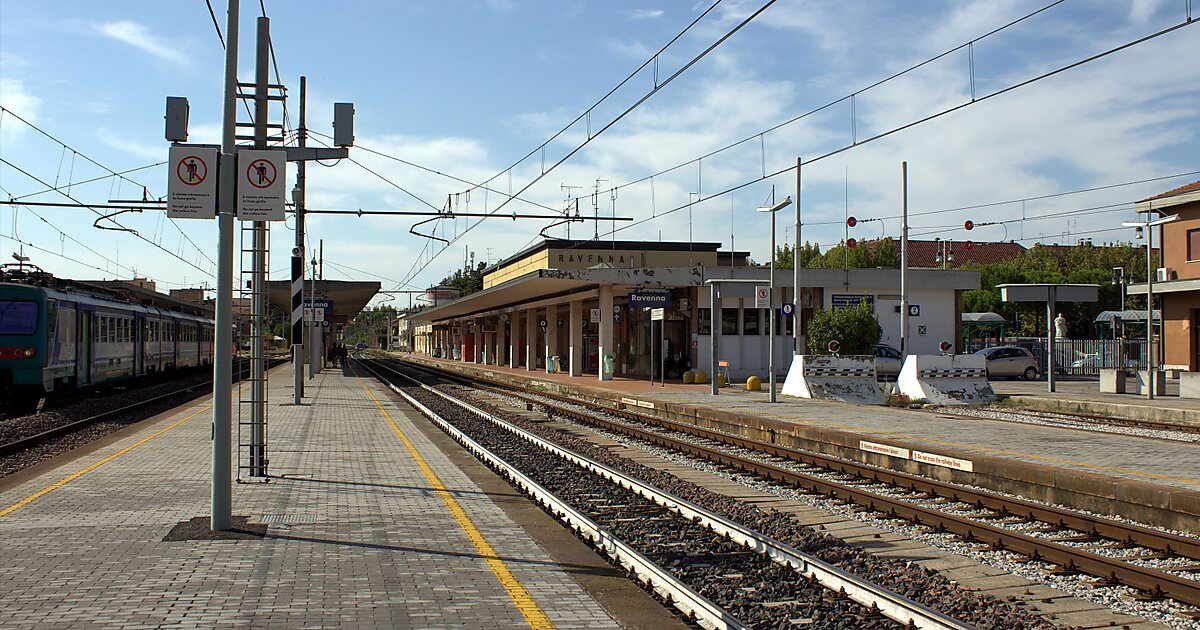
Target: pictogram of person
191 170
261 168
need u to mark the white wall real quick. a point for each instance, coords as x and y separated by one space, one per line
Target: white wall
747 354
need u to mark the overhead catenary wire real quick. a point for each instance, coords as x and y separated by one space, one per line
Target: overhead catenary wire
914 123
111 173
110 219
591 136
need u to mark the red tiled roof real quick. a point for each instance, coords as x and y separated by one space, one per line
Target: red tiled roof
924 253
1186 188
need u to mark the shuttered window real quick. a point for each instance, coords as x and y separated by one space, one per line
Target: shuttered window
1193 245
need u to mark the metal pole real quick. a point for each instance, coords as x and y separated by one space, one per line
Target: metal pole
715 330
1050 340
258 381
220 517
904 260
797 313
771 307
1150 375
298 256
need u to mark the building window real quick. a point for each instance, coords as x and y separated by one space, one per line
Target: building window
750 322
704 327
1193 245
729 321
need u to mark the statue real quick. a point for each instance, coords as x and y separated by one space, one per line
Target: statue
1060 327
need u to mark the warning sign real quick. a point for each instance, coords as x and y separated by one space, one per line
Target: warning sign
762 297
192 184
261 185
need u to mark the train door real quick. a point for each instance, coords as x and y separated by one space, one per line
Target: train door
139 358
83 352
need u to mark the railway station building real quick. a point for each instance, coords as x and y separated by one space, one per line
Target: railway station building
581 300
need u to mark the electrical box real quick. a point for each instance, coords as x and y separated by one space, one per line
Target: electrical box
343 124
177 119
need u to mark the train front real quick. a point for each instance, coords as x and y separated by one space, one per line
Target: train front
22 337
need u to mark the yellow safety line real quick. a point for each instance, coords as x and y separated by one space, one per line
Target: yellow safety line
87 469
529 609
986 449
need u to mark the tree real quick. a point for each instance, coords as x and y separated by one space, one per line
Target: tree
855 328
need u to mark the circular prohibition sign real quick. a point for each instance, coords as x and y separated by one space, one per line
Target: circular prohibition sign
192 170
261 173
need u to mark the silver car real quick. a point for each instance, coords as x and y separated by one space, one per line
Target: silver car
887 361
1010 361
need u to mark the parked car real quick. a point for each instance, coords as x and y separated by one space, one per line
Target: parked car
360 346
1010 361
887 360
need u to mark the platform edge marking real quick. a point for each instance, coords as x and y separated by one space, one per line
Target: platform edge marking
93 466
529 609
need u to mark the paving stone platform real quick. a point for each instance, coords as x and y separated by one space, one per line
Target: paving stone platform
356 535
1154 481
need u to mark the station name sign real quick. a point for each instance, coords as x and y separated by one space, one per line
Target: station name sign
650 298
596 258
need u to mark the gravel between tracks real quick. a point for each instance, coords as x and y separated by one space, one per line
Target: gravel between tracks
925 586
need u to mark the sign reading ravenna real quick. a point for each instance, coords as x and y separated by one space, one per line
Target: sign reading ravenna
650 298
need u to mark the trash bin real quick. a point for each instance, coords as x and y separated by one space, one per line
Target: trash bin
552 365
610 363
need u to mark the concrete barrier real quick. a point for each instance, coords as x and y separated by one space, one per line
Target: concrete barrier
848 379
1189 384
959 379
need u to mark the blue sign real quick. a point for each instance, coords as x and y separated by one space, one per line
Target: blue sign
914 310
848 301
324 303
788 309
650 298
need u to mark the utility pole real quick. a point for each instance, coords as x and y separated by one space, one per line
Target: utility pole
258 274
798 316
220 517
904 260
298 323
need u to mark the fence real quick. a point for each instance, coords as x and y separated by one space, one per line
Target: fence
1080 357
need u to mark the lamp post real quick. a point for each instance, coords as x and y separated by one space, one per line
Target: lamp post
771 301
1145 226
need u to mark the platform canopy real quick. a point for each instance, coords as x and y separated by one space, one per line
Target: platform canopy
1048 292
345 299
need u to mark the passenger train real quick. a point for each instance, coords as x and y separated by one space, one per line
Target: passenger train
59 334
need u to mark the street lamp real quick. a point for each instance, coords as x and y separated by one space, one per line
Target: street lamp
1144 227
771 300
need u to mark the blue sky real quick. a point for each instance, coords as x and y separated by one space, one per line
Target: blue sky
469 87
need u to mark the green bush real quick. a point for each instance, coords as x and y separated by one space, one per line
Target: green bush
855 328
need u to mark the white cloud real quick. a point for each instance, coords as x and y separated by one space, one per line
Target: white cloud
15 96
138 36
156 151
645 14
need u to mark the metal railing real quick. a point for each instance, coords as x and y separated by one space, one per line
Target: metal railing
1078 357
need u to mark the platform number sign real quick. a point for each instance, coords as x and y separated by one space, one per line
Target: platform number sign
914 310
788 309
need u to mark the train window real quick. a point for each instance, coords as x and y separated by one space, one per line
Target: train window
18 318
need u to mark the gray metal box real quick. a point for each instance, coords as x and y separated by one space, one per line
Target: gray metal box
177 119
343 124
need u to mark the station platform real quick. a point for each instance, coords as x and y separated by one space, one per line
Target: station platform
1084 397
1150 480
370 518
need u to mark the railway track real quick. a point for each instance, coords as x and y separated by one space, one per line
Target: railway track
26 442
873 599
1154 562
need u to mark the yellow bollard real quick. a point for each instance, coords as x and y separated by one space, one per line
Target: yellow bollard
721 382
701 376
689 377
753 384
